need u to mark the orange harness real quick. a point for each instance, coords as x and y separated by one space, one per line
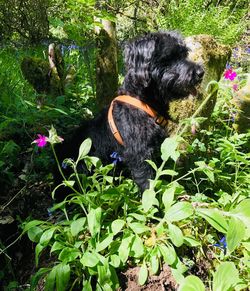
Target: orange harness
138 104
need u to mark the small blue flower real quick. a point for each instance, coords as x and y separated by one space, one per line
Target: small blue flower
50 212
64 165
116 158
222 244
228 66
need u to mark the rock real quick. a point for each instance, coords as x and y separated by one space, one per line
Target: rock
242 102
213 56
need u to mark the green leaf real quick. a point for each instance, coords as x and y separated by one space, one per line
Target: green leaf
148 198
46 236
34 233
50 280
117 225
168 197
154 263
138 227
192 283
242 212
84 149
38 250
214 217
89 259
124 248
152 164
68 254
94 221
235 233
56 246
168 253
115 261
207 170
143 274
77 226
175 235
179 211
169 148
104 243
87 285
192 242
38 275
62 276
32 224
137 247
225 277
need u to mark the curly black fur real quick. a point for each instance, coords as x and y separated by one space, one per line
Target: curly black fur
157 71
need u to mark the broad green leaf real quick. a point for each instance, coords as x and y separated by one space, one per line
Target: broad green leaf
104 243
32 224
62 276
89 259
154 263
77 226
137 247
225 277
124 248
148 197
104 275
242 212
168 197
138 227
34 233
143 274
68 254
235 233
179 211
191 283
117 225
115 261
84 149
168 253
50 280
192 242
169 148
56 246
94 221
46 236
175 235
214 217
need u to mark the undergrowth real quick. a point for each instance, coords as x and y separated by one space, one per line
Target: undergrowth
193 211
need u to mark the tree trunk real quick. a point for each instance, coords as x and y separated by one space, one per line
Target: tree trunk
106 63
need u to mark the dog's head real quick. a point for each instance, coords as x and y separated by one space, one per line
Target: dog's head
158 67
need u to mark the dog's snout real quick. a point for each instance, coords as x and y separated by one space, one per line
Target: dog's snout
200 72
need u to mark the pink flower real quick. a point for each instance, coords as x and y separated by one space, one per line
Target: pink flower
235 87
230 74
41 141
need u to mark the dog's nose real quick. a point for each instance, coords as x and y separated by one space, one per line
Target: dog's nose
200 72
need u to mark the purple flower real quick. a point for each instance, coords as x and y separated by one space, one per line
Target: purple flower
222 244
41 141
235 87
230 74
116 158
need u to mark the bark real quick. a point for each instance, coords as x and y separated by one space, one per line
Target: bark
106 63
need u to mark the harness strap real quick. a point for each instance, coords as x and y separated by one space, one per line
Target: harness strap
160 120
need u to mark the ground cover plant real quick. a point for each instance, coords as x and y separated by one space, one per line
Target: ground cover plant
200 213
194 219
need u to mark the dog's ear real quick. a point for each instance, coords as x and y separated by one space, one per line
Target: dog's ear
170 46
138 56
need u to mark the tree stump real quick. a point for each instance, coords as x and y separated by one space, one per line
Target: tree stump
213 56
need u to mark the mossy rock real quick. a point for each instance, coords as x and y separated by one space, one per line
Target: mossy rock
242 102
213 57
36 72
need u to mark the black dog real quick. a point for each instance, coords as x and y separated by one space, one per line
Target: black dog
157 71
